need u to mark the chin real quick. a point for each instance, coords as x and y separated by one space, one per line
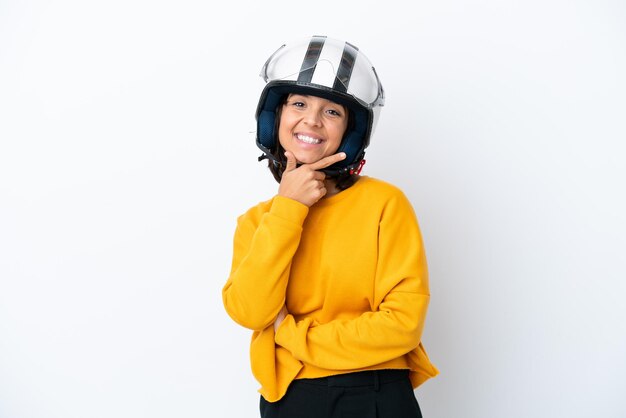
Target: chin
307 159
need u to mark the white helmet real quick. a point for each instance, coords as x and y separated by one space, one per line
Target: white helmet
328 68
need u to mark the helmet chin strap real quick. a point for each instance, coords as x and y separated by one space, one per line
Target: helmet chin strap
265 156
268 156
358 169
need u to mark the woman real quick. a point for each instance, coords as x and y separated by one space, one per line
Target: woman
330 274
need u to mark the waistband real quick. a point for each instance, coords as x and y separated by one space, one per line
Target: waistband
364 378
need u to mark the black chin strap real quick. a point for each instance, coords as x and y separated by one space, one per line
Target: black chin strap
270 157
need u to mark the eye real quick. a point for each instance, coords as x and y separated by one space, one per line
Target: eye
335 110
295 103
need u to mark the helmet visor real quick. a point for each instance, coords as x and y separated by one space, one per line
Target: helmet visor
329 63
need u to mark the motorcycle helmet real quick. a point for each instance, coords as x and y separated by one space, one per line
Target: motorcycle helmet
330 68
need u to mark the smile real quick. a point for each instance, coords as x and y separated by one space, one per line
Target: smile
308 139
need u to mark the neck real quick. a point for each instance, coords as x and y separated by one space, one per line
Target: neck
331 188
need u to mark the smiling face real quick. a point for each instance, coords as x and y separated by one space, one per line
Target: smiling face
311 127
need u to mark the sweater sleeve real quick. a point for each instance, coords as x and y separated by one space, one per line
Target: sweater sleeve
262 251
401 296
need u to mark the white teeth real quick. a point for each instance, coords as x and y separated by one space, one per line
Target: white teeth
308 139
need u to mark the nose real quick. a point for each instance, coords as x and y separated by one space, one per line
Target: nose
312 117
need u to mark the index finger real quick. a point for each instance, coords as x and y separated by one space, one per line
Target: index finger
326 161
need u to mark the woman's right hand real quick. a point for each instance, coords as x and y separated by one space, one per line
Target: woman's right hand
305 184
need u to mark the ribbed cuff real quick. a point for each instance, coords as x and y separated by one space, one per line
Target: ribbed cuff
289 209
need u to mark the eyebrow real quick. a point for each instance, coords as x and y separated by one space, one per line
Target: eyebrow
291 95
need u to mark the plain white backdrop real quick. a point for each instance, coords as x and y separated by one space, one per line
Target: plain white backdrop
127 152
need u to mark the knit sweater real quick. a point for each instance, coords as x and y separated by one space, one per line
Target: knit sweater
352 272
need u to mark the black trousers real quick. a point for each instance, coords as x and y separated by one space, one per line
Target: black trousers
368 394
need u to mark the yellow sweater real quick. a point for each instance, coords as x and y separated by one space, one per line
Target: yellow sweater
352 272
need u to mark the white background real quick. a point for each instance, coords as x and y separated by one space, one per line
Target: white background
127 152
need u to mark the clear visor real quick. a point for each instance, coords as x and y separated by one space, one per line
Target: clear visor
328 66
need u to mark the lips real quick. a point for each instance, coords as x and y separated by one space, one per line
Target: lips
308 139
